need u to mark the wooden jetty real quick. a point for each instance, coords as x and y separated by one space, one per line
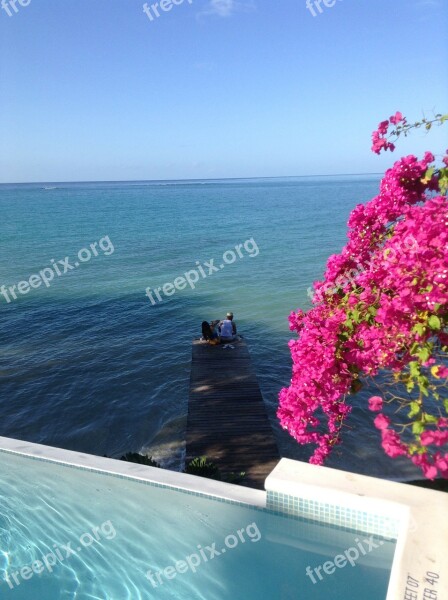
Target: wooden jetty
227 419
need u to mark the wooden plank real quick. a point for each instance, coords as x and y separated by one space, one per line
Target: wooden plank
227 418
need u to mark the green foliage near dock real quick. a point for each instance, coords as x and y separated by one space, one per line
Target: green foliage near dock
199 466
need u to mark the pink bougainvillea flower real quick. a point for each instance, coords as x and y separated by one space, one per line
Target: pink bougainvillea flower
430 471
383 127
381 421
442 372
427 438
445 159
375 403
381 306
438 438
391 443
441 462
397 118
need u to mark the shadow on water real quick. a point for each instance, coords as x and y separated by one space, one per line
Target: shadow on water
110 376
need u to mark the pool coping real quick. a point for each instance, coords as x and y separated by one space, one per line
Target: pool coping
191 484
416 517
421 515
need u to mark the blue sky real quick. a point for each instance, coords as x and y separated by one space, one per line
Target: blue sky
95 90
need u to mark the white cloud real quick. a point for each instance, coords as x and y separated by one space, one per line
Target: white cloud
226 8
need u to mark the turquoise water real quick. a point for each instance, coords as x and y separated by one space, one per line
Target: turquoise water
91 364
70 534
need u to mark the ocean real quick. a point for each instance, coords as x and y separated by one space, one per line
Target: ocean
91 361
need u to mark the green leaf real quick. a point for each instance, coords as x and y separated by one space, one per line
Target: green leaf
430 419
443 184
418 428
356 316
430 172
415 409
410 385
414 368
423 385
349 324
434 323
414 348
424 354
419 329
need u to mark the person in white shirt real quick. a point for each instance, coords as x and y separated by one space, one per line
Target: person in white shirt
227 328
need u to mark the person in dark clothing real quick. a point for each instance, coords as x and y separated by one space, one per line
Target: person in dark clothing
209 333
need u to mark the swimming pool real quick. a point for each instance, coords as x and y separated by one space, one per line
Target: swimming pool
76 526
72 533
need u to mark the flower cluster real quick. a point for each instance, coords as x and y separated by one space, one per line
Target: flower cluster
400 126
379 139
382 307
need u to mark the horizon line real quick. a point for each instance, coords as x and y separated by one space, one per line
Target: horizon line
187 180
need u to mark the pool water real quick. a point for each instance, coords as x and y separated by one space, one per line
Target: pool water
67 533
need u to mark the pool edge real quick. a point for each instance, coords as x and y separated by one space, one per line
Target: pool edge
152 475
421 516
417 517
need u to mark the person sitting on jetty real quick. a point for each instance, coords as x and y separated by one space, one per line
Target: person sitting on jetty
209 333
227 328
